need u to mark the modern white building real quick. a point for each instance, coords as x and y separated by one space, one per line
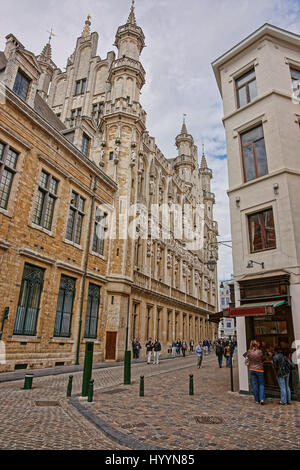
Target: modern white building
259 81
227 325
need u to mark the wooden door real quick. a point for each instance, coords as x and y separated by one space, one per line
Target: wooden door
111 343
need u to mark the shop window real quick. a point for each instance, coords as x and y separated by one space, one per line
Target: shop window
254 154
262 231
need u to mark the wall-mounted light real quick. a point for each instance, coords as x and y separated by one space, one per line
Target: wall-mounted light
276 188
250 264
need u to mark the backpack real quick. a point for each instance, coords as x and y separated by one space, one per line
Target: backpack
219 350
288 365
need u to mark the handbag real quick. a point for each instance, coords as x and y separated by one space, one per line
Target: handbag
247 362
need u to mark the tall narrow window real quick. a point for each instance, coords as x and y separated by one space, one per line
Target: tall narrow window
148 322
295 74
158 323
262 231
8 163
92 311
45 202
21 85
29 300
85 145
99 232
62 327
134 317
75 219
246 89
80 87
254 154
76 113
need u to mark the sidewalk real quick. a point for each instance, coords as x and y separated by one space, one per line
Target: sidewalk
165 418
213 419
20 374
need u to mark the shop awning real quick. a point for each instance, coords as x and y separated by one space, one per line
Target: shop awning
255 309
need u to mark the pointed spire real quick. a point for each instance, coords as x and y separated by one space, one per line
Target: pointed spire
131 17
203 161
46 52
184 129
87 30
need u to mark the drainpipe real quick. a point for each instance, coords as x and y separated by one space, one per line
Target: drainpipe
88 244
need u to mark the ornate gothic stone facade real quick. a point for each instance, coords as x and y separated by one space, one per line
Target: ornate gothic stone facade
154 283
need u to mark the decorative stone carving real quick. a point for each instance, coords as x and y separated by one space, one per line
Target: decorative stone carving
151 187
149 248
101 157
133 157
169 260
116 154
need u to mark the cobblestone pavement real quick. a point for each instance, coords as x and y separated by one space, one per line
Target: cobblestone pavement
166 417
27 422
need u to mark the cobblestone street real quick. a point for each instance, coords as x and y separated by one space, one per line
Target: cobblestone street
165 418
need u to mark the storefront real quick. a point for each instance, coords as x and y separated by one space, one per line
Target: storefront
265 305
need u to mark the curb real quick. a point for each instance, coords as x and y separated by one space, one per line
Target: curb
109 431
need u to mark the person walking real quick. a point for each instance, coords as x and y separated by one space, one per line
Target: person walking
149 348
135 348
174 348
184 347
199 352
227 354
205 346
283 366
219 353
178 347
255 360
191 346
157 349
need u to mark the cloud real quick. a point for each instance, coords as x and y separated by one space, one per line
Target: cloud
183 37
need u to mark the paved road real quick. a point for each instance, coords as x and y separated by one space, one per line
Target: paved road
165 418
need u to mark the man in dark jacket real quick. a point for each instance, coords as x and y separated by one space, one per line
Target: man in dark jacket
219 353
149 349
283 367
157 349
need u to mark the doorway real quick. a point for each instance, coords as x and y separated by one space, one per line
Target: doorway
111 343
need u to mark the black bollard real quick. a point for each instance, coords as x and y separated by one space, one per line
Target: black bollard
28 382
91 391
191 392
141 386
69 389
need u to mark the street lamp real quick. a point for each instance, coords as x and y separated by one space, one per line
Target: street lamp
250 264
211 264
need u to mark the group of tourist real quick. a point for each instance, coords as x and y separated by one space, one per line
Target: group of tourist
224 348
179 348
151 347
283 366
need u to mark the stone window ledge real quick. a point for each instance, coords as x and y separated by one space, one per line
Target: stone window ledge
24 339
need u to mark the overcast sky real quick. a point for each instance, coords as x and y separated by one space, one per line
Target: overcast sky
183 37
